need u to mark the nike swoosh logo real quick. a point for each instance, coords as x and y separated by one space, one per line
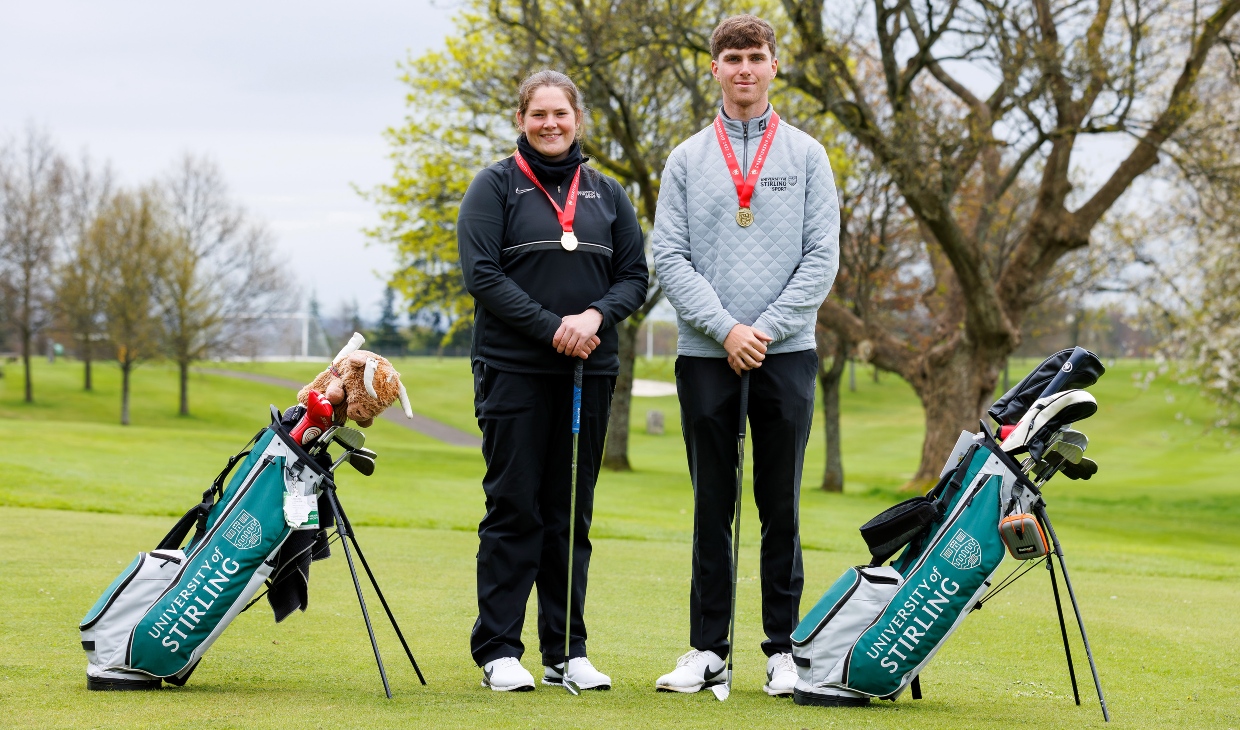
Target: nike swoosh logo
770 675
520 191
711 675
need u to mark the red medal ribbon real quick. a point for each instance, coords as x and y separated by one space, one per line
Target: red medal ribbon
745 185
569 211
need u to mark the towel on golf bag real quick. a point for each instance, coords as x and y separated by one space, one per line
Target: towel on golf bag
162 613
876 628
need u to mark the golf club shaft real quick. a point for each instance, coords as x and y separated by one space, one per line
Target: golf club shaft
736 519
572 523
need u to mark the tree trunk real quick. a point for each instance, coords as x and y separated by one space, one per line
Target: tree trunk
833 476
184 367
954 393
616 450
126 367
26 364
86 358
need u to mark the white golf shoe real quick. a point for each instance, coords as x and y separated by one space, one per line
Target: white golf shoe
781 675
580 671
507 675
694 670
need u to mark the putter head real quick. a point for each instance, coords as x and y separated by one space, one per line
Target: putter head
350 438
361 462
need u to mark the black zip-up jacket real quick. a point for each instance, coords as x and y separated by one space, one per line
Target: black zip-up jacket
523 282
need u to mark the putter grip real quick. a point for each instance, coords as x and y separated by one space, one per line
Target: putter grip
577 396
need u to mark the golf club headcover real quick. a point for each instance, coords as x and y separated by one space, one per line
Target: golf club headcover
1065 370
318 419
1023 536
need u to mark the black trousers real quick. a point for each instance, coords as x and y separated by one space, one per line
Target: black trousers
781 408
526 423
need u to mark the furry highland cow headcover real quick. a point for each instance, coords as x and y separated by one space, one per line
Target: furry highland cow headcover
365 383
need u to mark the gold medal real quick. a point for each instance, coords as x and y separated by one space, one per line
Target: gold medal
744 217
569 241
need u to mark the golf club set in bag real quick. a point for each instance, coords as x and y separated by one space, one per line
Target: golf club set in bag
877 627
160 615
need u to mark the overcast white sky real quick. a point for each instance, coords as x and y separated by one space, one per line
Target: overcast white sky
289 98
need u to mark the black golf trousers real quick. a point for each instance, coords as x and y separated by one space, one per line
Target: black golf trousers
527 441
781 408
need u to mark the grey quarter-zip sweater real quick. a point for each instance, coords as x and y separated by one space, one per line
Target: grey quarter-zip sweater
772 275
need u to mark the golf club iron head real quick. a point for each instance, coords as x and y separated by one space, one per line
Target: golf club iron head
350 438
366 452
1083 470
569 684
322 441
721 691
1059 455
361 462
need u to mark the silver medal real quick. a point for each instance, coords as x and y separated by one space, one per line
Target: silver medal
569 241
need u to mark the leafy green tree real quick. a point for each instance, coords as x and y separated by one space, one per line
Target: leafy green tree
907 80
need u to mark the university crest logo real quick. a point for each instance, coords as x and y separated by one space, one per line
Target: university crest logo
245 532
964 552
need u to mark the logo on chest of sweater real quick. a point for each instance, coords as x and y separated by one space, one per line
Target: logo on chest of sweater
778 184
589 194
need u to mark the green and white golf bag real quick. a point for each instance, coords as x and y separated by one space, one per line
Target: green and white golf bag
876 628
162 613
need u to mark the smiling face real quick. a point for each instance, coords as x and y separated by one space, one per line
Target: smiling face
744 75
550 122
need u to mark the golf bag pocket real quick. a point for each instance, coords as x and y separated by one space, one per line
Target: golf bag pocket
823 638
106 627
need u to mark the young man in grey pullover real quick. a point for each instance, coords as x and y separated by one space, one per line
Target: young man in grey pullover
746 247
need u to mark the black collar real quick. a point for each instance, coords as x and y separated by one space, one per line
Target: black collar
551 172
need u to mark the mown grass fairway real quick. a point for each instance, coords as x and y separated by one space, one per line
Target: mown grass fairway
1153 542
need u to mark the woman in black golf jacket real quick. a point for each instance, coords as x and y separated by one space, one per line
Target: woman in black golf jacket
553 254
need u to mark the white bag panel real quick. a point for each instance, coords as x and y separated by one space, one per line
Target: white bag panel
830 644
110 630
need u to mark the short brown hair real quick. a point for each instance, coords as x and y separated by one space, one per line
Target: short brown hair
740 32
547 77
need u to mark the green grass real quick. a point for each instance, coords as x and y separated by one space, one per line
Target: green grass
1153 542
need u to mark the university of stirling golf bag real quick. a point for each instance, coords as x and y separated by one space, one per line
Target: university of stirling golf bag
160 615
878 626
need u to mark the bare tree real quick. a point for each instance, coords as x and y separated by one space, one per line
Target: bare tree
902 77
80 280
33 181
133 239
220 267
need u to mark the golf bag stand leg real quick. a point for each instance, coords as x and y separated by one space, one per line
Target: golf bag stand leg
1080 622
339 509
342 528
1063 630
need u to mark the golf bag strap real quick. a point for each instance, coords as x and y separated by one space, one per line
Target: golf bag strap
196 517
954 484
